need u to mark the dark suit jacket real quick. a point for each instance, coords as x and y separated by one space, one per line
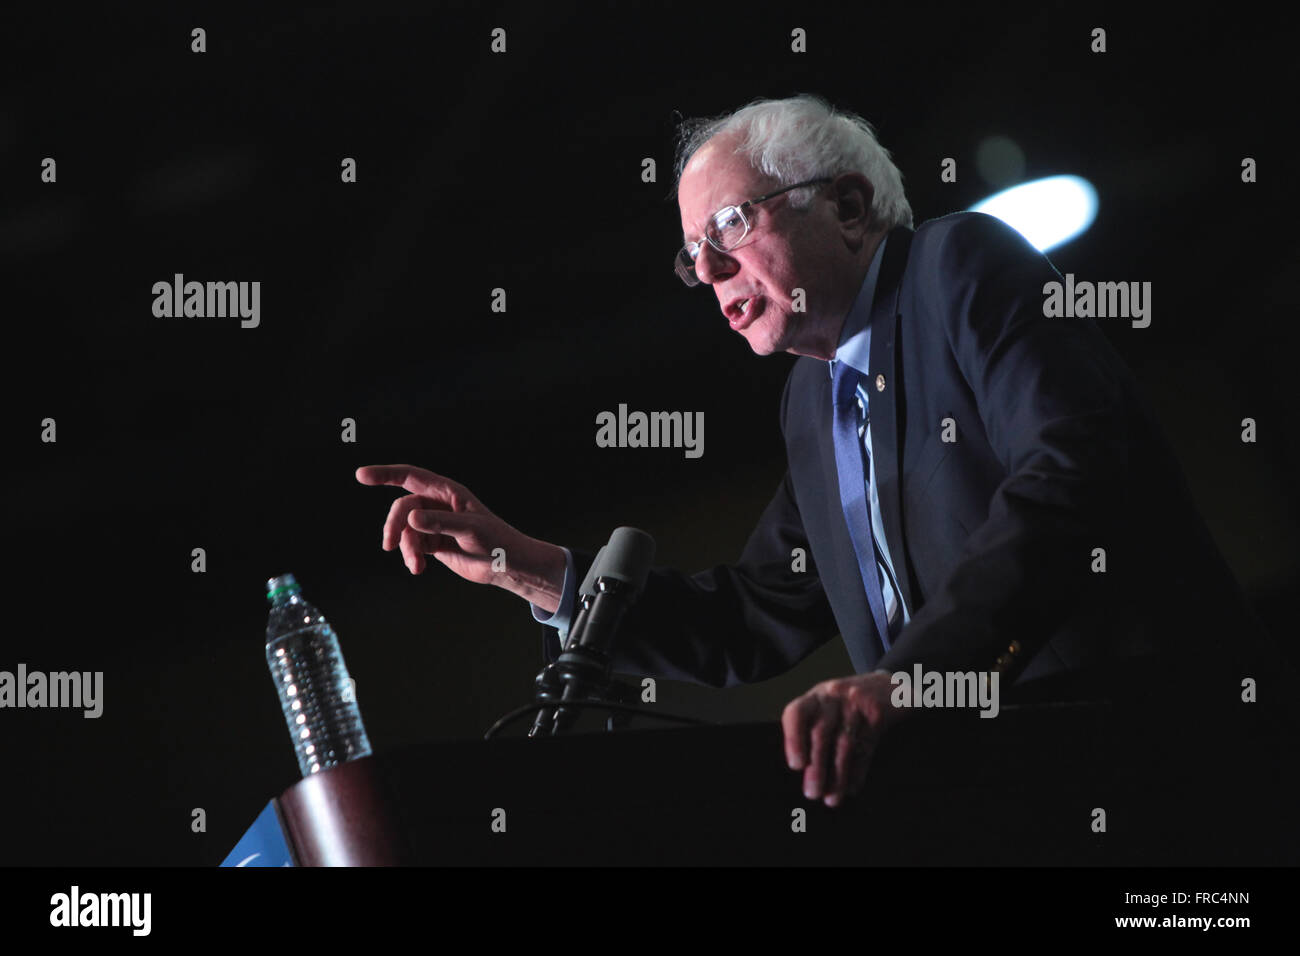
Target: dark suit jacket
993 534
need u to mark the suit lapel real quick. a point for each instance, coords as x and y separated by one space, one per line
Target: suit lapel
884 388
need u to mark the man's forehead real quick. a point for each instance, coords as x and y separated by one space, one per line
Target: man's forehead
714 177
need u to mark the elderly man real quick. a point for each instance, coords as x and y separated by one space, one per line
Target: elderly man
976 487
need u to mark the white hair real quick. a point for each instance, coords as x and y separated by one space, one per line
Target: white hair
804 137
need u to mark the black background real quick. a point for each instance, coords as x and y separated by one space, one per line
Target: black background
522 170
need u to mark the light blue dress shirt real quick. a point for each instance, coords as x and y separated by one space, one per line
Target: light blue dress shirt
855 349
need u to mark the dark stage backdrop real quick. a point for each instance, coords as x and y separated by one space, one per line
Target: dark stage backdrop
520 170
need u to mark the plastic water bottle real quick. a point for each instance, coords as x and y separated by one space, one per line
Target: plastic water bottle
317 696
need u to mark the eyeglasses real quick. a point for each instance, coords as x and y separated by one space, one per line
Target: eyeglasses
726 229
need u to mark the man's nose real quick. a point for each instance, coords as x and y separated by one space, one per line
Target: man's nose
711 265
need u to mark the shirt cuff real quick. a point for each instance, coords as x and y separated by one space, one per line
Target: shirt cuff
561 619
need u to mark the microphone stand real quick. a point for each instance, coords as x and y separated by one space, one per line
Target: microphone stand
548 690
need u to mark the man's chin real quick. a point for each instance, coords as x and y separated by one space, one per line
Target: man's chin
761 345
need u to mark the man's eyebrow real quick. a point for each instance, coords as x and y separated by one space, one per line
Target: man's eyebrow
685 240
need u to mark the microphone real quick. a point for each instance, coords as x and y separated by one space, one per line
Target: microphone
616 579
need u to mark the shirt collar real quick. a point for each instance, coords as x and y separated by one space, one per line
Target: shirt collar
855 339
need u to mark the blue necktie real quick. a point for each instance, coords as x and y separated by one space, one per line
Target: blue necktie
852 470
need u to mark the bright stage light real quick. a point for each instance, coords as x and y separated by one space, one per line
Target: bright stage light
1047 212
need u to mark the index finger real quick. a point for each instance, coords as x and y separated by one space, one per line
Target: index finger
417 480
794 721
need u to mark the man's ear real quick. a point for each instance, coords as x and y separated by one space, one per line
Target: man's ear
853 196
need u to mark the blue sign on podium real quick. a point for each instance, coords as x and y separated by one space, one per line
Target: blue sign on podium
264 843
